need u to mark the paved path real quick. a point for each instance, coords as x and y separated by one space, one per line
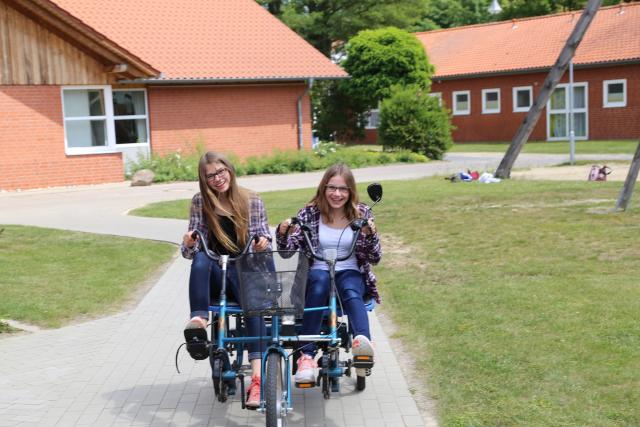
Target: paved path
119 370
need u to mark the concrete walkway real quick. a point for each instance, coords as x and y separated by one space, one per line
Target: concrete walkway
119 370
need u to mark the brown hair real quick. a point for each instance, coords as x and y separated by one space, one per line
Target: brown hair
238 199
320 199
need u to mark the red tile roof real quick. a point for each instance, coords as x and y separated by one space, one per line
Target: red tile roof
205 39
533 43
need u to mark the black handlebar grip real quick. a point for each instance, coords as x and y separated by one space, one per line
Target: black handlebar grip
256 239
295 220
194 235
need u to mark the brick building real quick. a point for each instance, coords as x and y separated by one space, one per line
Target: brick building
87 85
488 75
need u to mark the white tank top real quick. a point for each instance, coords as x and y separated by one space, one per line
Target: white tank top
330 238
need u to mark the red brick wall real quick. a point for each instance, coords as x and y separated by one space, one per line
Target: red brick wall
32 144
604 123
245 120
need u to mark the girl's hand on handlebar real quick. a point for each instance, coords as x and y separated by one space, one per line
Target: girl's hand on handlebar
369 229
261 245
188 239
286 227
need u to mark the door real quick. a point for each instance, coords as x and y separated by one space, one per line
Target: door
558 112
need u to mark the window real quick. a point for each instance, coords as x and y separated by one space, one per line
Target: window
558 115
461 103
490 101
522 98
614 93
437 95
97 118
373 120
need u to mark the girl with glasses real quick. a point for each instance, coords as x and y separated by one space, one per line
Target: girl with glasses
329 214
228 214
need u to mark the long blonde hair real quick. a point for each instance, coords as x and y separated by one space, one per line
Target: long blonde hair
238 199
320 199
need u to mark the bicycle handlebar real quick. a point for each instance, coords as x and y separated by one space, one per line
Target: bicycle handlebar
356 225
214 256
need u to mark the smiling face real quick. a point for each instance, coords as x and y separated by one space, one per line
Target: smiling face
336 192
218 177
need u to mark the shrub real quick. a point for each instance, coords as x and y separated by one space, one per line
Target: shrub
413 120
176 167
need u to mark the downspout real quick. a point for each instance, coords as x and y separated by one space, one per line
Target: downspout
306 91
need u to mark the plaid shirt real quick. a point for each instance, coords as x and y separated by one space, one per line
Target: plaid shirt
368 251
257 221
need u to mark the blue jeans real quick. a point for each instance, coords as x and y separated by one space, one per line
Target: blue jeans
350 286
206 281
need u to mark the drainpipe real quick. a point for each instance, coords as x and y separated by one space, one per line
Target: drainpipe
306 91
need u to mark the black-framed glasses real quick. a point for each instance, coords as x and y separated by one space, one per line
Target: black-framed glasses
333 189
219 173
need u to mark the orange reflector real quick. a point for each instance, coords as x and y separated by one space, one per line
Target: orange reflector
305 385
362 358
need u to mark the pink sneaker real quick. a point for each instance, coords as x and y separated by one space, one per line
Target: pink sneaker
306 372
253 394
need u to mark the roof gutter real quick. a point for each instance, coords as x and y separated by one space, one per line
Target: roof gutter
534 70
299 105
231 80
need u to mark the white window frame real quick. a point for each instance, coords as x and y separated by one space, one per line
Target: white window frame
111 146
457 112
515 91
584 110
437 95
605 93
369 114
486 110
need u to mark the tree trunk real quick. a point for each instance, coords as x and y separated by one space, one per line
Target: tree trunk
630 182
558 69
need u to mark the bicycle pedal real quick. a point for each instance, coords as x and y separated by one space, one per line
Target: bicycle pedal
364 362
306 384
197 343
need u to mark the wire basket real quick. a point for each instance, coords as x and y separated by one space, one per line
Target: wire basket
273 283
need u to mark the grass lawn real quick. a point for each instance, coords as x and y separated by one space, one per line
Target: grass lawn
51 277
546 147
519 300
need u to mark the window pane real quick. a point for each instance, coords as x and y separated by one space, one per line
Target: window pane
83 103
580 124
615 92
558 99
374 119
128 103
523 99
579 97
86 133
558 125
131 131
462 102
491 101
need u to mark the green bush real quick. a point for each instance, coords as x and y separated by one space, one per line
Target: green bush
412 120
176 167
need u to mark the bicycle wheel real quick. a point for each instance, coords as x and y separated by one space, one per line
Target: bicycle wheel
274 389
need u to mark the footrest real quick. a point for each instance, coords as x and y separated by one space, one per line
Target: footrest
197 343
306 385
363 362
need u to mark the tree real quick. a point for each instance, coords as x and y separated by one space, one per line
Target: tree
326 24
413 120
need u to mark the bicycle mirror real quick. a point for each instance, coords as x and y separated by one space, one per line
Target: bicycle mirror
375 191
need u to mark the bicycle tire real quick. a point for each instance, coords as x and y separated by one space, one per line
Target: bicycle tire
274 391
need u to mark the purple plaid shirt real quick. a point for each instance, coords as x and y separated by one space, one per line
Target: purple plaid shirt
368 251
257 221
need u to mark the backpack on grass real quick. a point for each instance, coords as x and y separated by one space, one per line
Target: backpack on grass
599 173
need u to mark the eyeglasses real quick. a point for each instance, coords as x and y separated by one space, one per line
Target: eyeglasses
217 174
333 189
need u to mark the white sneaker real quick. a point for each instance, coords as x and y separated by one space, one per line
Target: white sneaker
306 372
361 346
